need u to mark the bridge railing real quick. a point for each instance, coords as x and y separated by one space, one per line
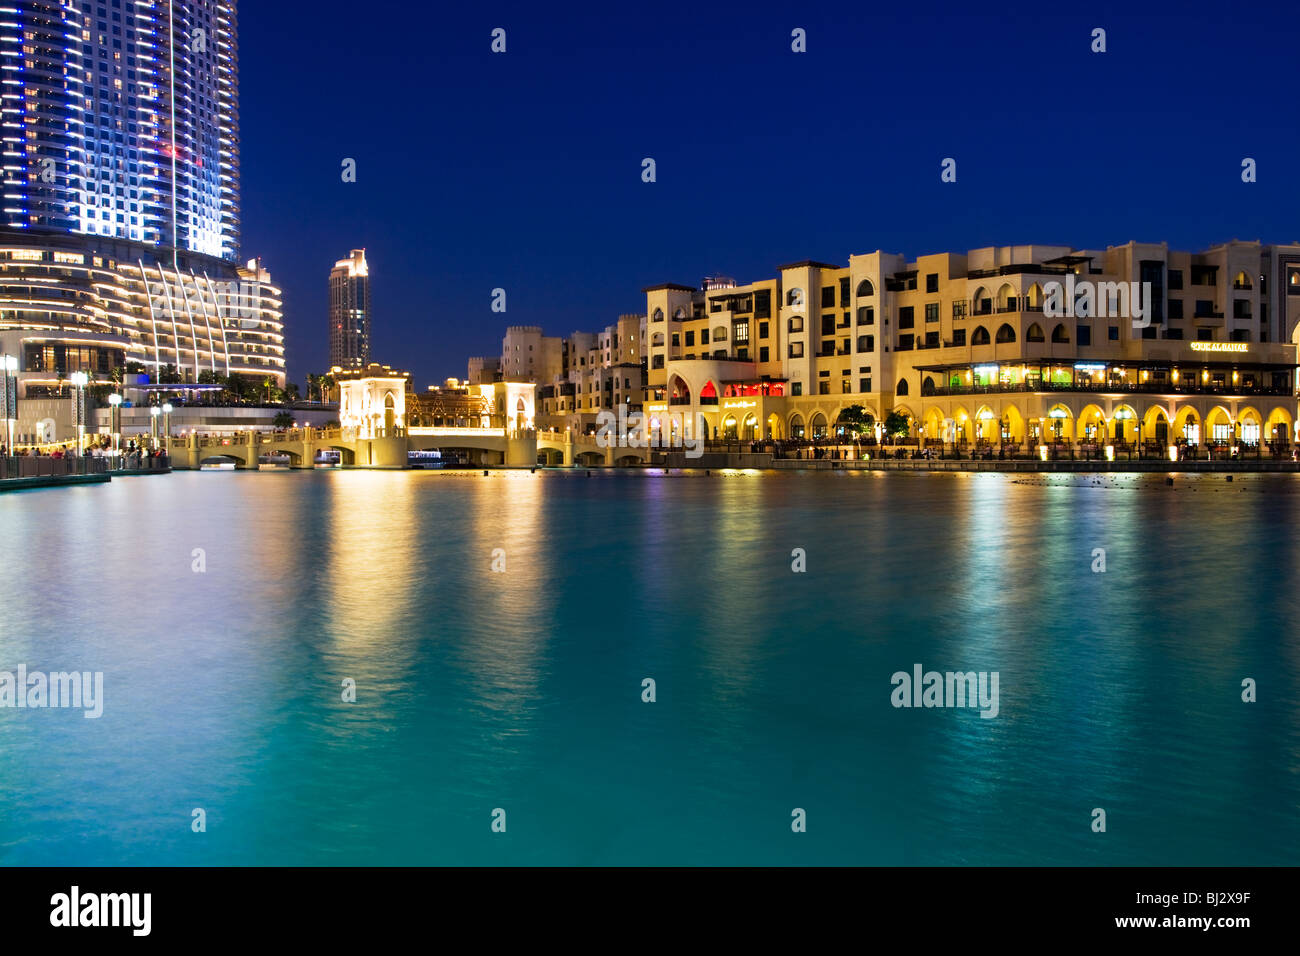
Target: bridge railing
40 466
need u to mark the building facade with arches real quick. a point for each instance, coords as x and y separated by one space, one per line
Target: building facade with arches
1013 348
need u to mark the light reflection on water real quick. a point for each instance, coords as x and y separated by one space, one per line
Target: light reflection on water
521 689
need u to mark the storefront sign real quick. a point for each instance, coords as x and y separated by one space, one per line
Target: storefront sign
736 404
1219 346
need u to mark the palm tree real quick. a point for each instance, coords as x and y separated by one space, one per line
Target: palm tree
268 383
313 383
327 386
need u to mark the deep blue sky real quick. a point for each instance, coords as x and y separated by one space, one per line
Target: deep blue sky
523 170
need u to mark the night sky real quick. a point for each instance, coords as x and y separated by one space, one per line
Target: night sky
523 170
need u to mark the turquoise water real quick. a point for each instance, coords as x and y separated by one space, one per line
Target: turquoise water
521 690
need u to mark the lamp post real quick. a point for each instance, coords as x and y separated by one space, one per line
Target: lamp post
79 379
9 396
115 421
167 427
154 412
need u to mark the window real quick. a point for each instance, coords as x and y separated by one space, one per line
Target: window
1060 336
905 343
980 336
658 315
1240 335
1173 333
1175 278
844 293
763 304
762 330
864 385
906 317
1241 309
959 309
932 312
704 336
1034 333
823 388
762 353
901 388
796 350
1112 333
677 340
865 288
657 362
828 297
866 315
796 388
1205 275
690 339
1084 332
866 343
1204 309
932 282
1175 308
740 332
828 324
795 324
959 337
1006 334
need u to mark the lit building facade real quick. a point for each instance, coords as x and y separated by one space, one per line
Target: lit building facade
121 120
972 349
350 311
578 376
120 226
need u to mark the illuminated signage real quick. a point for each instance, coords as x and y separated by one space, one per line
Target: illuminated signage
1089 367
1219 346
656 406
734 404
986 370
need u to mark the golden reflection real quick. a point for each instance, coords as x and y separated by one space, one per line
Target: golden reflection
373 559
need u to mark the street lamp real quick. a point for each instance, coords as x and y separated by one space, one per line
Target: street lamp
167 412
115 420
79 379
9 396
154 412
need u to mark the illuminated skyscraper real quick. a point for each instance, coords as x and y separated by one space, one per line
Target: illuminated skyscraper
350 312
120 221
120 118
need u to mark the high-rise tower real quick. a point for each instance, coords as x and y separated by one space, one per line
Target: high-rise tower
120 220
350 312
121 119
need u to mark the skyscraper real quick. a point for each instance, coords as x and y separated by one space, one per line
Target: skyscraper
350 312
120 221
124 121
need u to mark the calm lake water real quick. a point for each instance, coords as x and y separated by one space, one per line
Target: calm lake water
522 690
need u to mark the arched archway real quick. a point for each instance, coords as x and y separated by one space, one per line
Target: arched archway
980 336
1091 425
1035 333
679 393
1012 425
1187 426
1059 335
818 425
1060 423
1155 426
1249 426
983 425
1006 333
865 289
775 427
901 387
390 413
796 426
1277 429
1219 428
1007 298
749 427
1124 425
730 428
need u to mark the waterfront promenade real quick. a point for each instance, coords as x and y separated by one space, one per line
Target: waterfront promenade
38 471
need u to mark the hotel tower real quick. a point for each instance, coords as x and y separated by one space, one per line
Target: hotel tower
120 227
350 312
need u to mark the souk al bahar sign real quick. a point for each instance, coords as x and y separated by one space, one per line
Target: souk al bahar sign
1219 346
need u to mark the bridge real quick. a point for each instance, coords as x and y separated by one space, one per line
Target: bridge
381 449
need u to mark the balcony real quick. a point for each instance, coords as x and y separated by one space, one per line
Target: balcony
1124 387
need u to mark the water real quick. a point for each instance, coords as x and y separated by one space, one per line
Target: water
522 690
